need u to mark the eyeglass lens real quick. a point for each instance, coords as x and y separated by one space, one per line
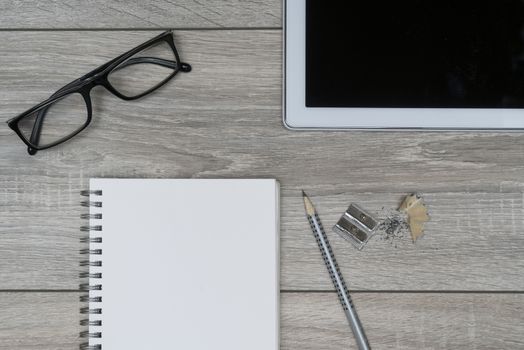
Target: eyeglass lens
56 121
144 71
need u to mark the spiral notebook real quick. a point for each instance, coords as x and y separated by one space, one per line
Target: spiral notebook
181 264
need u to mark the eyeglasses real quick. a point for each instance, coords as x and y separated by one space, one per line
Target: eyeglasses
129 76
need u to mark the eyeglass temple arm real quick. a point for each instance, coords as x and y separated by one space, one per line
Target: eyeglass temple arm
37 127
184 67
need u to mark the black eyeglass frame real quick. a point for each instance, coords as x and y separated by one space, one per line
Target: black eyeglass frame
84 85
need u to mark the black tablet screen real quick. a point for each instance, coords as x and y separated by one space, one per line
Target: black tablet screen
415 53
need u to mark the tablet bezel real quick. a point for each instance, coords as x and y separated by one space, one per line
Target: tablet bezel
297 116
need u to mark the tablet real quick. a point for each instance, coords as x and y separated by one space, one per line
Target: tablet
423 64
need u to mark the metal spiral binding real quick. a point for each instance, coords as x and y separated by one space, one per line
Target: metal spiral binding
87 298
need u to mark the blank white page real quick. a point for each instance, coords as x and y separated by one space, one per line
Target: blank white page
187 264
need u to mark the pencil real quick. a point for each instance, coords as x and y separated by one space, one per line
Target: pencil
336 276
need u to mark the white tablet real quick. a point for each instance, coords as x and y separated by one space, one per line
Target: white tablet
424 64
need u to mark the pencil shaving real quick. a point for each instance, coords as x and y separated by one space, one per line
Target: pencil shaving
413 205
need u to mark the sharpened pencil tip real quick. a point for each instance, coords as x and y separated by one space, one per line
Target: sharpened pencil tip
310 210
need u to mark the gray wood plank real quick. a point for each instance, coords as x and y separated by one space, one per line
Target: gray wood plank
38 321
474 241
139 14
308 321
224 120
405 321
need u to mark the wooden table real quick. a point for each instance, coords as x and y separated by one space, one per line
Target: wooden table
460 287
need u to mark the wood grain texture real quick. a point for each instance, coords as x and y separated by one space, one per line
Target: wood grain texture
19 14
224 120
473 241
308 321
405 321
38 321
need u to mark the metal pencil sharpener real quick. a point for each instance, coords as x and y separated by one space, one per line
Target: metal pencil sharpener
356 226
